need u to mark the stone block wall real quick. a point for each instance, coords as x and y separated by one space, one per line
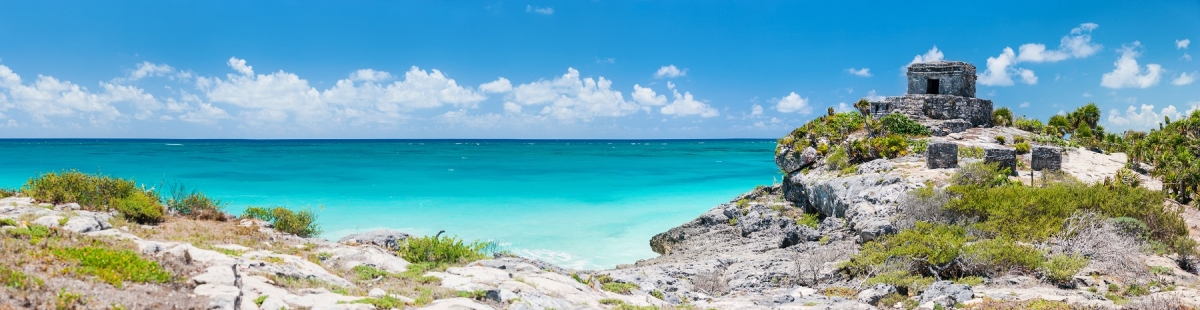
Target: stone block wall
955 78
1045 157
978 112
941 155
1005 157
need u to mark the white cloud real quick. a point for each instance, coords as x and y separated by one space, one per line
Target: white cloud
1182 44
1077 44
864 72
793 103
931 56
756 110
1143 118
365 75
571 97
669 72
539 10
1024 104
147 69
1185 78
1186 57
1128 73
1087 95
647 96
240 66
512 107
872 96
48 97
500 85
685 105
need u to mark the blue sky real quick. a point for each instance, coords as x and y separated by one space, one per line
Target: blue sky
563 69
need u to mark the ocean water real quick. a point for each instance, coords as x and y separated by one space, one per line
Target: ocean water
579 203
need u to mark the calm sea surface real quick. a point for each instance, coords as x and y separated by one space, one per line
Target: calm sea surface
578 203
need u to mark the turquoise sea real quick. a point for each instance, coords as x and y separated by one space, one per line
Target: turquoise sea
578 203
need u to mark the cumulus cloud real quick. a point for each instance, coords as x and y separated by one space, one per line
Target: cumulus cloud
501 85
864 72
1128 74
571 97
1024 104
1141 118
1182 44
48 97
685 105
793 103
670 72
756 110
147 69
1000 70
647 96
1185 79
539 10
240 66
368 75
931 56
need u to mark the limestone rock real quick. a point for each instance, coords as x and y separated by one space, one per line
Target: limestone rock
940 155
216 275
1045 157
456 304
791 160
1004 157
224 297
946 293
875 293
384 238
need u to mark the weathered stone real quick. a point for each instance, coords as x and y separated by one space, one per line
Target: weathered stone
220 296
1004 157
385 238
947 127
875 293
1046 157
946 293
941 155
942 78
791 160
924 108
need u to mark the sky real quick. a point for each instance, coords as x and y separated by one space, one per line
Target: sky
564 69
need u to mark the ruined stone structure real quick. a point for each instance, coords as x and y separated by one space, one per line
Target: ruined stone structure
939 91
941 155
1003 157
1045 157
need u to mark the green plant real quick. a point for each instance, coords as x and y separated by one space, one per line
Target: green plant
1019 139
1135 289
808 219
839 291
139 208
905 282
364 272
890 146
1000 140
837 159
1061 268
619 287
970 152
733 221
1002 117
90 191
261 298
66 300
1022 147
442 250
18 280
1001 255
8 222
301 223
980 174
891 299
385 302
900 124
657 294
191 203
933 249
113 266
1032 125
476 294
918 146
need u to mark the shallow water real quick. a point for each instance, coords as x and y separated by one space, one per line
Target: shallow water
578 203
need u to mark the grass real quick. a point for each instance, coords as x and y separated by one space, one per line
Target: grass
620 287
385 302
808 219
68 300
18 280
113 266
302 223
188 202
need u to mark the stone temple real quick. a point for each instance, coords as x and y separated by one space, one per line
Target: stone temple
941 95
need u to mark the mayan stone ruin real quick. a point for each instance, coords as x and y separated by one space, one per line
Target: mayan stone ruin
1045 157
1003 157
938 92
941 155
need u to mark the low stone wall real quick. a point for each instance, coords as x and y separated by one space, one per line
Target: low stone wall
1005 157
978 112
940 155
1046 157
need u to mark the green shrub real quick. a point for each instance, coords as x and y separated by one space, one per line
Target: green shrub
904 281
930 247
837 159
441 250
113 266
90 191
918 146
364 273
385 302
18 280
900 124
261 298
980 174
1061 268
970 152
998 256
1000 140
8 192
835 129
8 222
1022 147
620 287
301 223
193 204
1002 117
890 146
1019 139
139 208
1029 124
809 219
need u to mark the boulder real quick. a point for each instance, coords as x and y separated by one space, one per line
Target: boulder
946 293
384 238
940 155
86 223
875 293
790 160
950 127
220 296
1004 157
1045 157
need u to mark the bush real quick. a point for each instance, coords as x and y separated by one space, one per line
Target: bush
139 208
191 203
1000 140
90 191
837 159
1032 125
1060 269
1002 117
1022 147
441 250
999 256
890 146
933 250
301 223
980 174
834 129
900 124
970 152
113 266
808 219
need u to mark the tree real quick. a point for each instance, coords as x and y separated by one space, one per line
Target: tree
863 106
1002 117
1061 124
